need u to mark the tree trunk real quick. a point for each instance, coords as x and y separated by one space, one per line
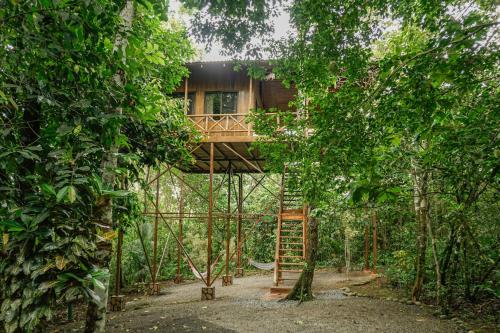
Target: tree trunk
96 311
302 290
446 258
466 273
436 260
452 276
420 184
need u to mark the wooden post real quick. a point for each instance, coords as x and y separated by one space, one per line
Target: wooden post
227 279
374 224
239 270
367 248
186 96
250 102
178 277
305 211
154 285
118 267
117 300
210 207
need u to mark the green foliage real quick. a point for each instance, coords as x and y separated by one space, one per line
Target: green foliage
391 92
58 89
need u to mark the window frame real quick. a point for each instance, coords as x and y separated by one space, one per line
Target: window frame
221 93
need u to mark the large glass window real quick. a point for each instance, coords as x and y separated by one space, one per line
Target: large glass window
221 102
190 101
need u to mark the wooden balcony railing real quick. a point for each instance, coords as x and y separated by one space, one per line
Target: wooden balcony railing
211 125
222 124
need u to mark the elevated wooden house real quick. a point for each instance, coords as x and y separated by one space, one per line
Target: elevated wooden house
218 101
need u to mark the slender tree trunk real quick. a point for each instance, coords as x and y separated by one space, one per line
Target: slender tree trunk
420 184
436 260
452 276
302 290
452 238
466 273
96 311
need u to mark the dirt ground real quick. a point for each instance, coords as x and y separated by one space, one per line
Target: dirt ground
247 306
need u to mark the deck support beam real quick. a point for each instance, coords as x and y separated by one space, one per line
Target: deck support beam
178 276
155 289
227 279
239 269
118 300
207 294
374 225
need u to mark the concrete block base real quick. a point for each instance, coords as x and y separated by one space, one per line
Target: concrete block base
207 293
239 272
154 289
117 303
227 280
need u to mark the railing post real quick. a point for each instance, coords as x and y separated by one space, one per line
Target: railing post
250 103
186 96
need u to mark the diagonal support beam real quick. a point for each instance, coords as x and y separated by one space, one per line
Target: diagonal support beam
250 192
264 187
197 192
179 243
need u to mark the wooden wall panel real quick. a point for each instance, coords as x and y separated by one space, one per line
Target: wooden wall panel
217 77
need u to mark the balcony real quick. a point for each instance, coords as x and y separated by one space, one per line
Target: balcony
229 127
222 125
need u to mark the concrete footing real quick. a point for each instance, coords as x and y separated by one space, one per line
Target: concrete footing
117 303
227 280
154 289
207 293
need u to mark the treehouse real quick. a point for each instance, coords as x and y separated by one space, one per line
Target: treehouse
218 100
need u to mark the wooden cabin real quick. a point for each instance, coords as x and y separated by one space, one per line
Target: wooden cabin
218 100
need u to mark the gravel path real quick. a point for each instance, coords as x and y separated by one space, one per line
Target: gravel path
247 306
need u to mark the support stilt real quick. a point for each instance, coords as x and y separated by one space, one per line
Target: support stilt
208 293
117 300
227 280
239 269
374 224
155 288
367 248
178 276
